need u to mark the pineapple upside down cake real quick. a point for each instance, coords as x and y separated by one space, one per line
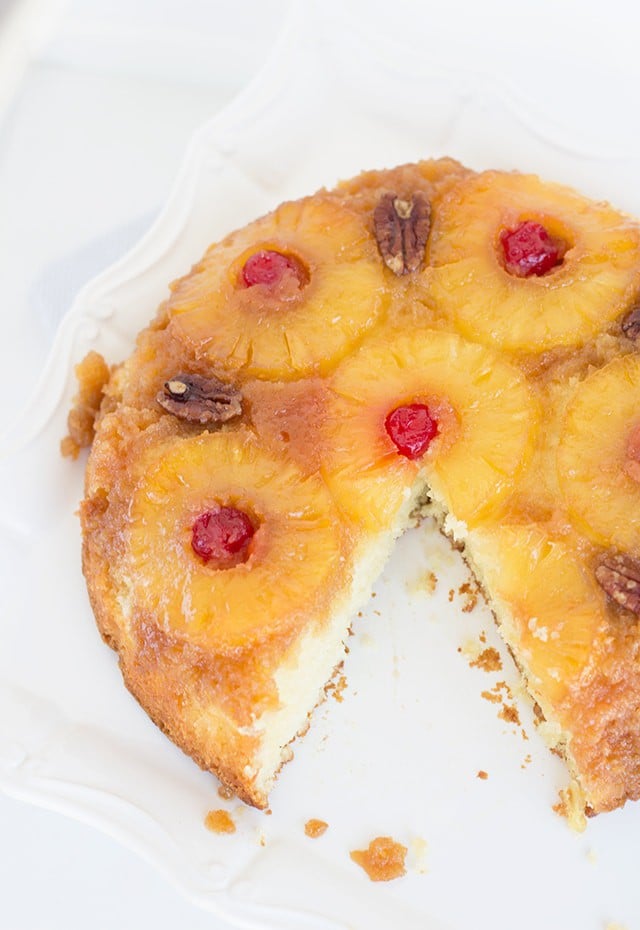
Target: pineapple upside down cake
422 337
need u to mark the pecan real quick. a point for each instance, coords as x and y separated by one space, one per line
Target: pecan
619 576
631 324
200 400
402 229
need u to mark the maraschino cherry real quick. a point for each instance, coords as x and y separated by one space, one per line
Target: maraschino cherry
530 250
222 535
411 428
270 267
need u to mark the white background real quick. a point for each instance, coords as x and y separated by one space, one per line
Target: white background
98 100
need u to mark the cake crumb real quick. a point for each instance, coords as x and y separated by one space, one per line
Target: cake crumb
315 828
219 821
418 855
383 860
430 582
425 583
335 688
503 686
471 648
489 660
571 806
483 637
482 775
225 792
510 714
451 594
490 696
469 593
526 762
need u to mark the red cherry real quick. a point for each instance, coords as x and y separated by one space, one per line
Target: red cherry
411 428
222 535
529 249
270 267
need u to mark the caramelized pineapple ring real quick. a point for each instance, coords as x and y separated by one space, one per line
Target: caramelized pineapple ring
593 278
551 610
294 559
598 455
287 296
481 407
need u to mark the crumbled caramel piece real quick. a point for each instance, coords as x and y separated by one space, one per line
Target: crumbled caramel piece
383 860
225 792
219 821
482 775
315 828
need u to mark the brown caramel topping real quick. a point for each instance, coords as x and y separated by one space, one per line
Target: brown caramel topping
383 860
200 400
315 828
219 822
619 576
402 229
92 374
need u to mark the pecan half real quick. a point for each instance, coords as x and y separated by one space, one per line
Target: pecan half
200 400
402 229
631 324
619 576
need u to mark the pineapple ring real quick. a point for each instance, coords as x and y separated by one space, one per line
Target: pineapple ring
292 331
602 497
595 283
532 575
295 558
485 414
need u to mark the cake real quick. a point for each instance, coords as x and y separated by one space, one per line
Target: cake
425 339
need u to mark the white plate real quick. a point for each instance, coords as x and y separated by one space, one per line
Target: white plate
401 753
